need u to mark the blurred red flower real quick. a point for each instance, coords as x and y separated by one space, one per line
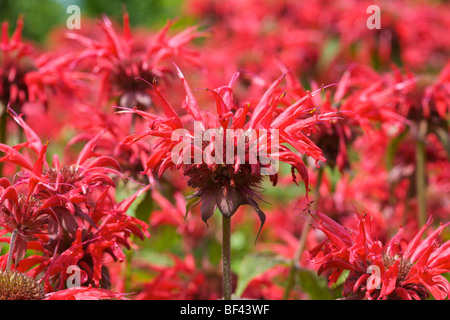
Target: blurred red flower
118 59
400 269
182 281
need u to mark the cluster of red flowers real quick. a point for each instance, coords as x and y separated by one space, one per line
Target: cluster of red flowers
356 118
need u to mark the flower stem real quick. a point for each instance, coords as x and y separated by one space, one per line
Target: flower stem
12 244
421 174
302 241
128 269
226 258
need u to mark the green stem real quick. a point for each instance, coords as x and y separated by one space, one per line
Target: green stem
226 258
133 124
12 244
128 269
302 241
421 174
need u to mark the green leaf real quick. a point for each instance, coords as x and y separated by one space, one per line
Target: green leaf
444 137
334 175
192 202
145 206
315 286
393 147
156 258
252 266
331 50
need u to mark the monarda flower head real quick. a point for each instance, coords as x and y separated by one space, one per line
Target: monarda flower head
400 269
15 63
118 59
25 216
225 155
66 211
28 76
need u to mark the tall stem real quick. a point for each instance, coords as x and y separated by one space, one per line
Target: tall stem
12 244
421 174
302 241
128 269
133 123
226 258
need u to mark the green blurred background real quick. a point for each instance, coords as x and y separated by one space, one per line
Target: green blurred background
43 15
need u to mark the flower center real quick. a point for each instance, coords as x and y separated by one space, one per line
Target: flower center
18 286
217 176
404 265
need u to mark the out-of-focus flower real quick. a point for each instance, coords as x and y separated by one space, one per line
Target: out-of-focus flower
182 281
320 38
436 97
266 287
400 269
27 76
394 98
175 215
118 59
85 293
109 129
15 63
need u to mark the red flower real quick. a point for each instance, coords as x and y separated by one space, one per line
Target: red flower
400 269
222 181
182 281
118 59
88 225
175 215
15 63
265 287
109 130
25 217
96 243
26 76
85 293
437 97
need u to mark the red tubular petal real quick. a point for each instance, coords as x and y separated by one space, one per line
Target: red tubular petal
88 150
190 102
55 201
4 42
10 193
264 104
389 280
208 206
38 166
104 161
33 140
15 157
360 281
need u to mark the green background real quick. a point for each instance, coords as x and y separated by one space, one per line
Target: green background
44 15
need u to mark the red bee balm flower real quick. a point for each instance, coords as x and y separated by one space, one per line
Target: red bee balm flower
119 59
28 76
67 212
401 269
226 155
15 63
